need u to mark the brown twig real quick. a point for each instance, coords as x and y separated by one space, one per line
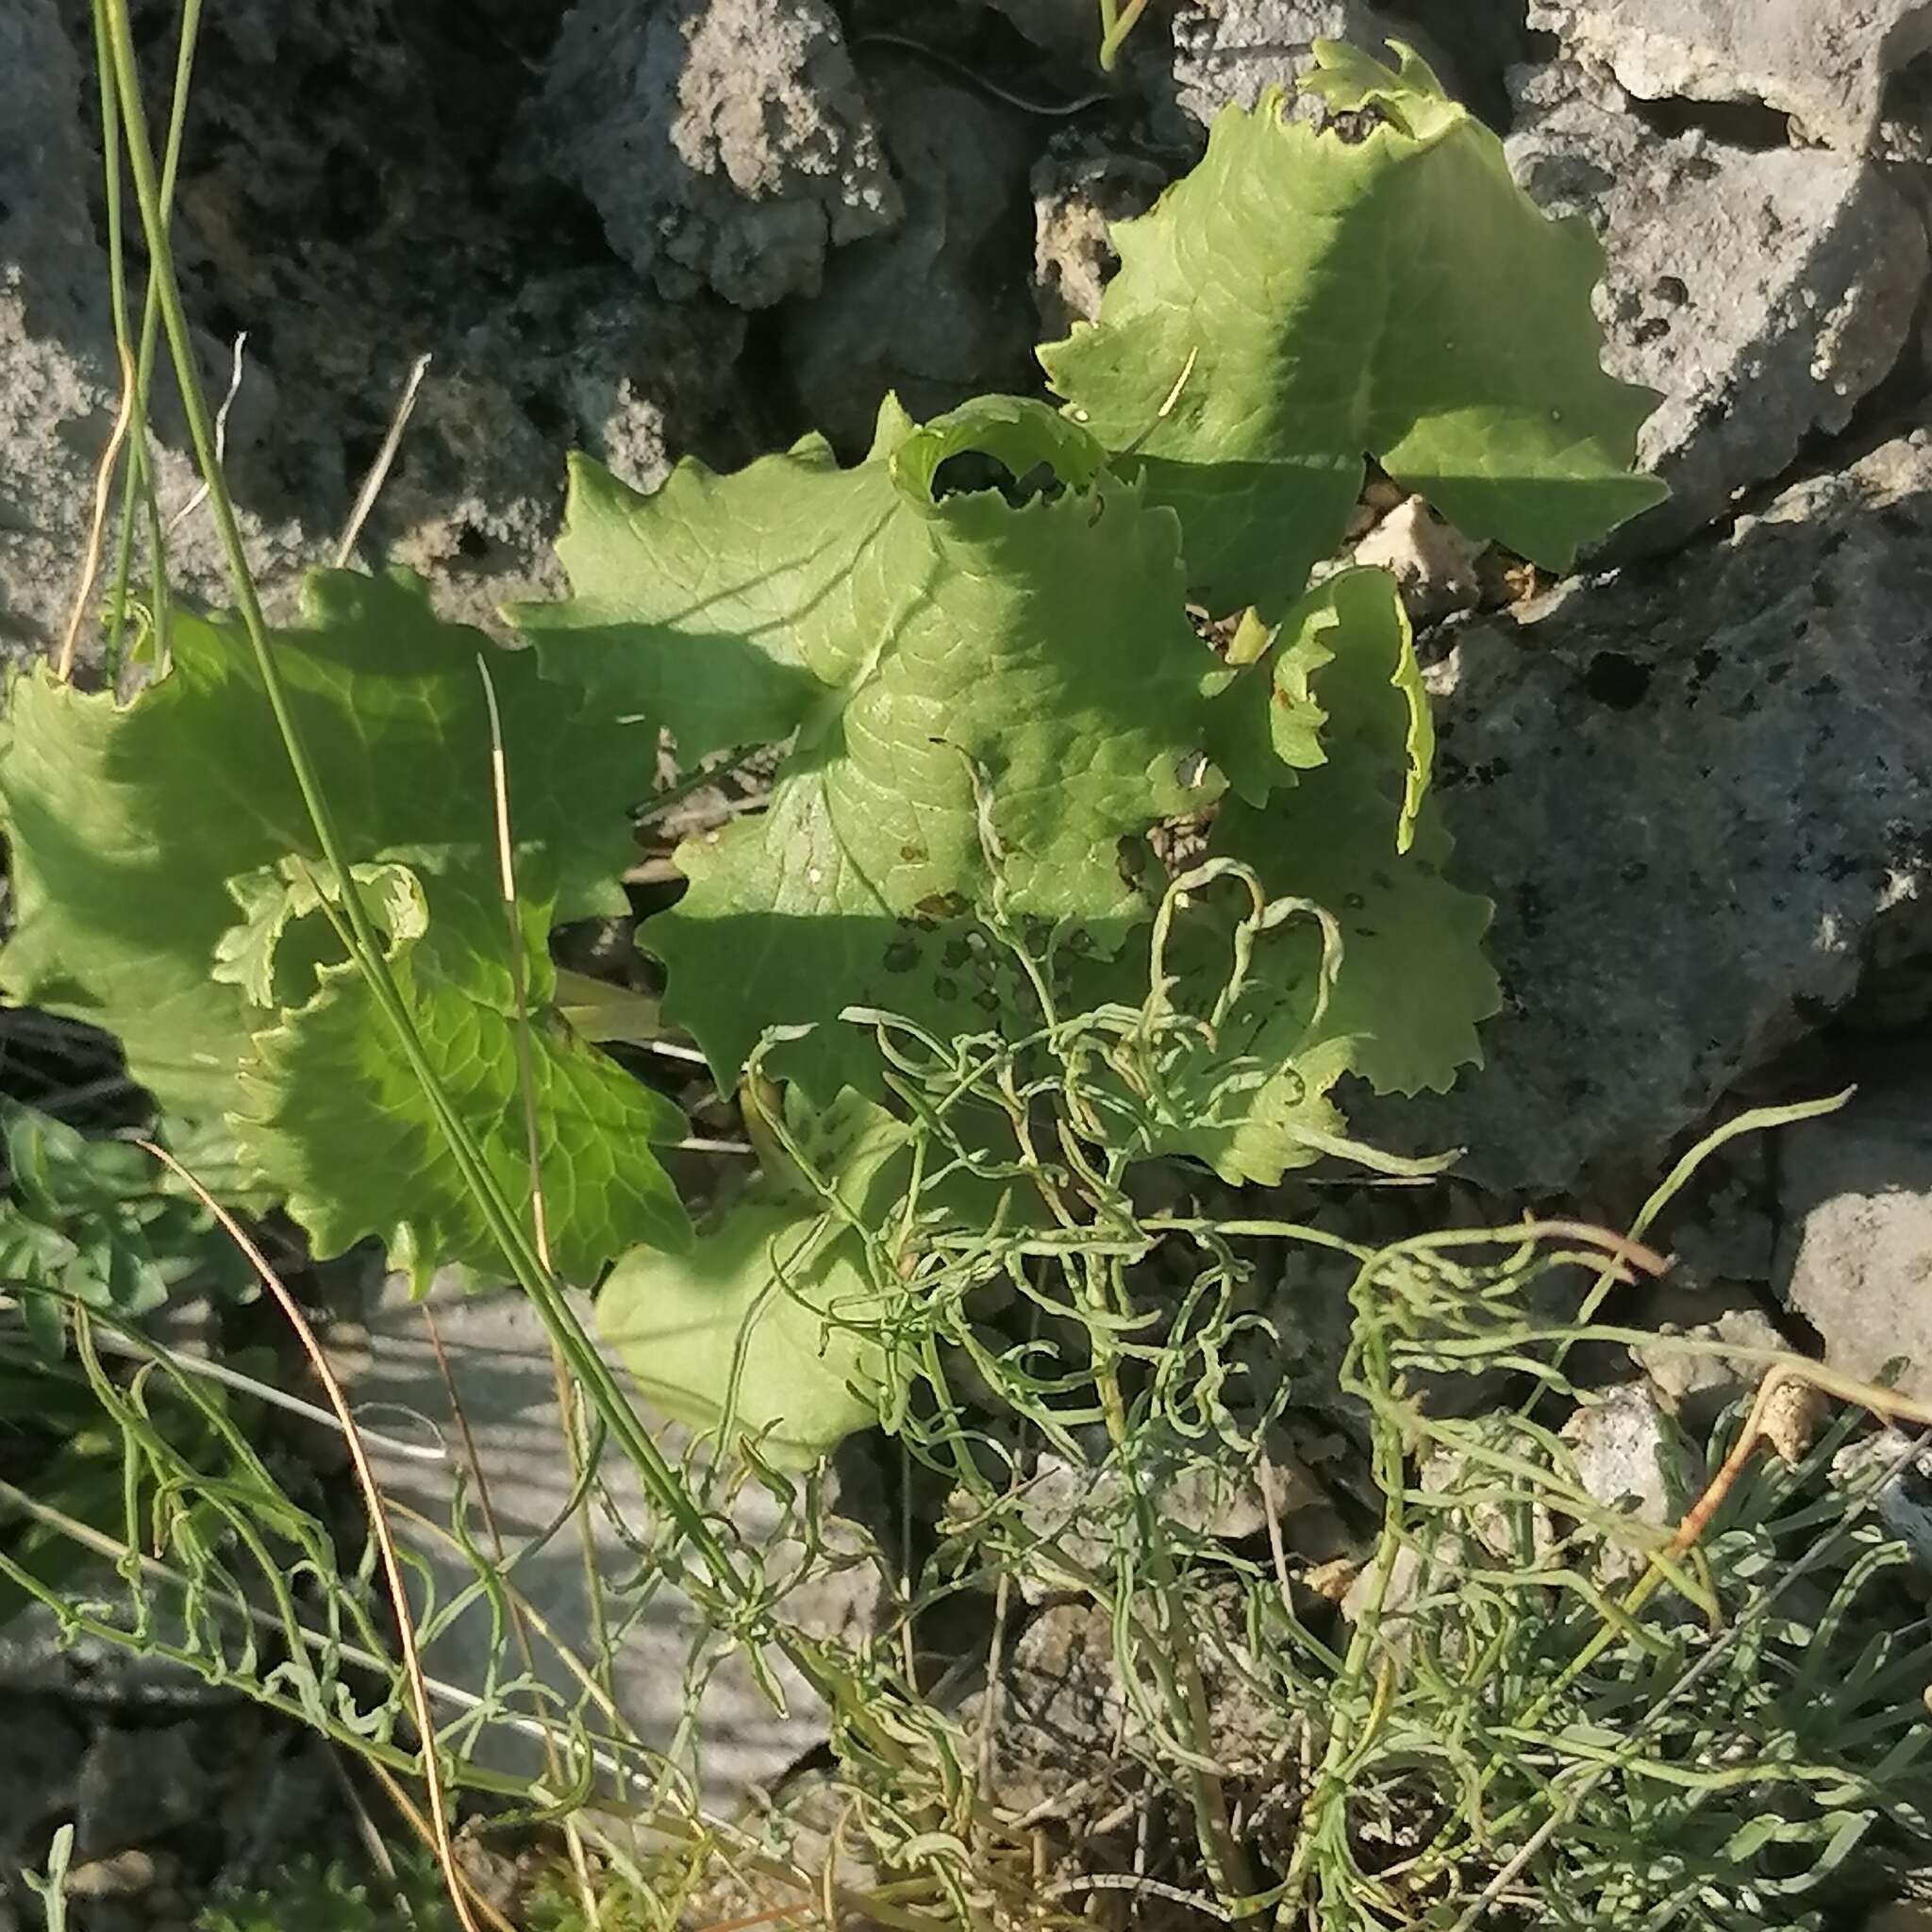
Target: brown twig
1885 1403
378 1525
104 489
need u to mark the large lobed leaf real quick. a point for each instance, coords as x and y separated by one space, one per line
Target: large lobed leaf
1302 299
980 689
170 889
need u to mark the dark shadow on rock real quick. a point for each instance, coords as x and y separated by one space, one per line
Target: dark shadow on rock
1701 795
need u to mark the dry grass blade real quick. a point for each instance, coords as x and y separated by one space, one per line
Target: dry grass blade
104 489
378 1525
379 469
227 403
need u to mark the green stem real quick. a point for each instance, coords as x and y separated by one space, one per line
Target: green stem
139 486
1115 25
660 1481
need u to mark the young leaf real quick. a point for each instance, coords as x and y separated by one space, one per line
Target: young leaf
963 673
1414 984
1301 299
167 878
1285 713
1349 829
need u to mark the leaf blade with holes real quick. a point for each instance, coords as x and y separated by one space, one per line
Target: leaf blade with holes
985 677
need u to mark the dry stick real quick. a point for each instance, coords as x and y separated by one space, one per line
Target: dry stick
540 1223
1887 1403
148 1350
378 1525
104 489
374 1849
419 1825
378 469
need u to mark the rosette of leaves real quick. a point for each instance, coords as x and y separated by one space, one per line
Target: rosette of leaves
945 665
171 890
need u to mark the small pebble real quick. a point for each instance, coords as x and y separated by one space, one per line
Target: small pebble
123 1876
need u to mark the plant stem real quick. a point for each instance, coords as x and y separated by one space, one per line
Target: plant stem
587 1363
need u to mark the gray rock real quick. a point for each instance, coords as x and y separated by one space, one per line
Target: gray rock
59 383
134 1786
1824 62
925 311
1231 50
725 142
1080 189
1761 292
1063 1710
475 507
38 1773
1630 1458
345 229
500 1368
1857 1257
1699 793
1085 1514
1696 1387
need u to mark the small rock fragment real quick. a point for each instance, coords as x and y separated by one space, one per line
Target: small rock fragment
1432 561
1231 50
1631 1461
1824 62
1856 1259
1761 292
1696 1387
125 1874
725 142
1063 1707
1080 189
1883 1466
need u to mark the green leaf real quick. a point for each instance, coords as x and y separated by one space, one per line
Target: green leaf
752 1334
1351 830
1283 714
1414 984
101 1223
171 890
334 1113
1301 299
720 606
978 687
